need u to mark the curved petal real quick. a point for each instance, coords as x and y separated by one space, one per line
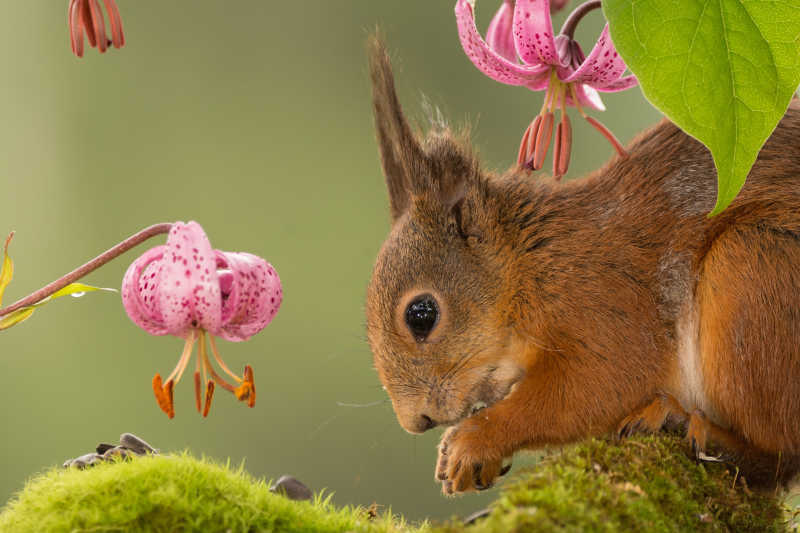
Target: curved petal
487 60
229 291
500 34
533 32
602 67
587 97
138 291
625 82
188 291
259 296
541 82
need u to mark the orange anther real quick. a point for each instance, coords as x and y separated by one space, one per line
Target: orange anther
247 389
209 395
163 395
536 125
522 156
248 376
557 151
566 145
543 137
168 392
197 389
563 146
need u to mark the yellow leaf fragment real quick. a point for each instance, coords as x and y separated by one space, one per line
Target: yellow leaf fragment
17 317
7 268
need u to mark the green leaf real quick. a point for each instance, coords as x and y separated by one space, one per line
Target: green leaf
17 317
76 290
6 269
722 70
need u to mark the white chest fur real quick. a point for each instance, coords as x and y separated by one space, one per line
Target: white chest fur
687 382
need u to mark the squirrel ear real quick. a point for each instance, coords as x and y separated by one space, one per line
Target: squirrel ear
401 155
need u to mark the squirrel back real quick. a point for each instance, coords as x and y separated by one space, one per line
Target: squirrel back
526 312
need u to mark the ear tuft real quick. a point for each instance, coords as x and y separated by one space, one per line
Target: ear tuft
401 155
434 169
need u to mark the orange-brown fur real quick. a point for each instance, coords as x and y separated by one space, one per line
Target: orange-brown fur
562 303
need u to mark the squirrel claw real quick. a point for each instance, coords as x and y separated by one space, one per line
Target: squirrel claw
477 469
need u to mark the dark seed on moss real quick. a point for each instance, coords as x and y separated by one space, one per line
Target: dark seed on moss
84 460
135 444
103 448
291 488
477 515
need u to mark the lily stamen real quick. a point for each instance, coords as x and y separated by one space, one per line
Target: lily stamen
600 127
86 16
197 384
207 365
209 395
220 362
563 144
164 396
247 390
184 359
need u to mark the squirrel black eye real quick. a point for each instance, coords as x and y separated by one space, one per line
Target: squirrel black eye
422 314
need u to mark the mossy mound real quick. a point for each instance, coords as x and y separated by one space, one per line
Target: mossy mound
167 494
643 484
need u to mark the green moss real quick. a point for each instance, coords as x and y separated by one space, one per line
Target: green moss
643 484
168 494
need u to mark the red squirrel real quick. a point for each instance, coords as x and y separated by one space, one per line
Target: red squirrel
523 312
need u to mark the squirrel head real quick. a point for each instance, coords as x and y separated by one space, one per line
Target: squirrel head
437 304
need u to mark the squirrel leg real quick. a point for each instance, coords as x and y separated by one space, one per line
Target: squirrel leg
662 413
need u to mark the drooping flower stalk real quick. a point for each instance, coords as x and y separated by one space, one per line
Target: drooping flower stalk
87 268
520 49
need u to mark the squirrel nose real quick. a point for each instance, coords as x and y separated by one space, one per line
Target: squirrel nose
425 423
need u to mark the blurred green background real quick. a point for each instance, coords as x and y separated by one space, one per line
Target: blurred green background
252 118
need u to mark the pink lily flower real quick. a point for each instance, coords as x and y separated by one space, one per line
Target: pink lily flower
185 289
86 15
520 49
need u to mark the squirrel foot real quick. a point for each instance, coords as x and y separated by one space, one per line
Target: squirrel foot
466 462
698 434
665 413
662 413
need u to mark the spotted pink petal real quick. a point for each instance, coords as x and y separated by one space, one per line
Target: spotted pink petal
500 34
189 291
254 294
602 67
587 97
540 83
489 61
138 292
625 82
533 33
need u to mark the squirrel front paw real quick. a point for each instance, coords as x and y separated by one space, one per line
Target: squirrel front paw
465 463
664 412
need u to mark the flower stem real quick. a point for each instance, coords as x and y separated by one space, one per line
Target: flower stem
577 14
91 266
